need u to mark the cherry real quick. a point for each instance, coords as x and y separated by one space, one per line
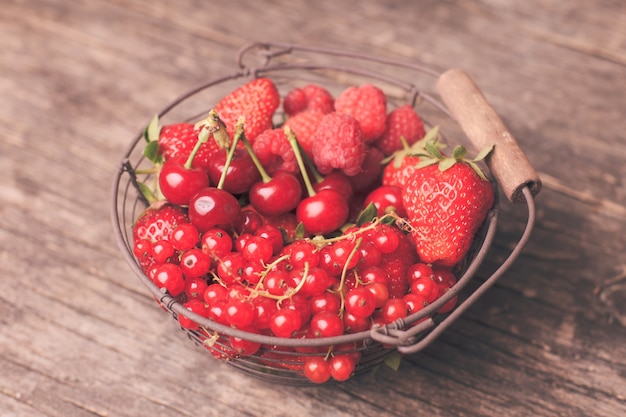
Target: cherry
276 195
336 180
386 197
321 212
240 174
178 182
249 221
213 207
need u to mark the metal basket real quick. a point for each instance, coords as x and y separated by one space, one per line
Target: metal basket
466 115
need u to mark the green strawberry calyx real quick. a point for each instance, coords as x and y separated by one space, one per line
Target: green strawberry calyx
416 149
434 156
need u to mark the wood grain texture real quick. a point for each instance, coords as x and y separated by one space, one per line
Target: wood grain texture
80 336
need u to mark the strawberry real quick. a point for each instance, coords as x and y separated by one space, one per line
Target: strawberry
402 122
255 101
180 138
446 200
368 105
311 97
157 221
403 162
338 144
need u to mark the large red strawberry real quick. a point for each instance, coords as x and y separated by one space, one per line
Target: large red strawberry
256 101
447 200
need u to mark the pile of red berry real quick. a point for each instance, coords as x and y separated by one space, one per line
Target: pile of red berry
314 228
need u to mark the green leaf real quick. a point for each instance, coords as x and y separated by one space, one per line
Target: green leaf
152 152
477 170
447 163
483 153
432 149
367 215
152 131
300 232
146 192
426 162
394 360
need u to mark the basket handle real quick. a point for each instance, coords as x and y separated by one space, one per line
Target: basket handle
483 127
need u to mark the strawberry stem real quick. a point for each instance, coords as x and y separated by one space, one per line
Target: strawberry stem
293 141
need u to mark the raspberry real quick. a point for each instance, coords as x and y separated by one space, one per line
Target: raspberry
304 125
274 152
311 97
368 105
401 122
338 144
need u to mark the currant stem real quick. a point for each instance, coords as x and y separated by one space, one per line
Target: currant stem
293 141
231 151
344 274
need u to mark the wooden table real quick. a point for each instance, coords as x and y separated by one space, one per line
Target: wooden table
81 336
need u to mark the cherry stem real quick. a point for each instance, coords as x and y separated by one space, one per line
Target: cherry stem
310 165
293 141
231 151
203 137
265 177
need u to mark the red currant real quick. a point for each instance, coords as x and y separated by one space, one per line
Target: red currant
316 369
360 302
326 324
184 236
285 322
341 367
170 277
196 306
195 263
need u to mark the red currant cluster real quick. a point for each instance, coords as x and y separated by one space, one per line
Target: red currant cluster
281 255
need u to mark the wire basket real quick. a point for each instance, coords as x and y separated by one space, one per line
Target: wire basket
465 115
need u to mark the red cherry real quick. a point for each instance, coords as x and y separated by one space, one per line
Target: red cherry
241 173
178 183
385 197
337 181
323 212
276 195
213 207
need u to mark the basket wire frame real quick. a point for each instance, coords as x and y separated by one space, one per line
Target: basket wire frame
275 361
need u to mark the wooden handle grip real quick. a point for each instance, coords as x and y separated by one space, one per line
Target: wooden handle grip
483 127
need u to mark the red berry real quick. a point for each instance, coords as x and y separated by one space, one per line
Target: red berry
231 268
316 369
214 293
285 322
304 125
341 367
245 347
311 97
240 313
195 287
170 277
196 306
386 197
360 302
256 101
273 235
179 140
216 242
163 251
338 144
274 152
326 324
371 168
326 301
195 263
179 183
425 287
241 172
213 207
368 105
157 222
278 195
402 122
184 236
394 309
322 213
